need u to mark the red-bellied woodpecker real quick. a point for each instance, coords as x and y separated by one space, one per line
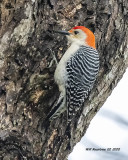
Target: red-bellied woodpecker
76 72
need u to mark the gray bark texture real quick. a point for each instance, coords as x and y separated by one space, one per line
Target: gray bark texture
27 65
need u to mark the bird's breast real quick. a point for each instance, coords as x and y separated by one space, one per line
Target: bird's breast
61 73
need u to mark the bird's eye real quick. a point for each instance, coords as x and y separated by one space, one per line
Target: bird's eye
76 32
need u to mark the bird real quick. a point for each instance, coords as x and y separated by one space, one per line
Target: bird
76 72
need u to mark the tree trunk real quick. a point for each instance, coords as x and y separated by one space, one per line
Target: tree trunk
27 65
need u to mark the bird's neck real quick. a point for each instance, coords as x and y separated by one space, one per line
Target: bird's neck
76 44
73 47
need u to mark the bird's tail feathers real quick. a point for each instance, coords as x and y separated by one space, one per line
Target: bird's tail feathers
58 108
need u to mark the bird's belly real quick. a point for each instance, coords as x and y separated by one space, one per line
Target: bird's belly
60 76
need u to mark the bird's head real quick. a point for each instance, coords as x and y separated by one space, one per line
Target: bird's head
80 35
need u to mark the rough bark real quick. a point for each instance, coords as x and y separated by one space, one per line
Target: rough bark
27 88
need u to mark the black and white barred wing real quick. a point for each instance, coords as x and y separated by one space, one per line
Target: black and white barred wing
82 69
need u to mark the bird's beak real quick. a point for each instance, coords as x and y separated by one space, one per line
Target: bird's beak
62 32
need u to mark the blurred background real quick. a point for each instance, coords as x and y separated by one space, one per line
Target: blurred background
108 129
